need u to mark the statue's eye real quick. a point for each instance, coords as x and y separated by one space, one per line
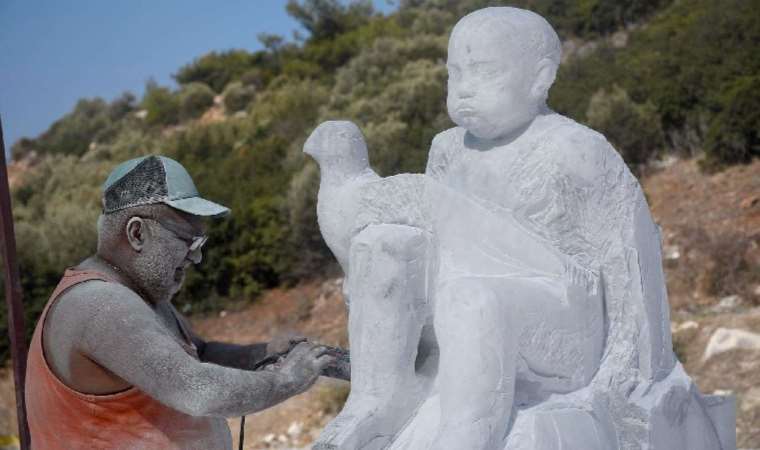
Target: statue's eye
484 69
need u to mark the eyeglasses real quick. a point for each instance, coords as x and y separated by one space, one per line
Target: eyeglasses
194 243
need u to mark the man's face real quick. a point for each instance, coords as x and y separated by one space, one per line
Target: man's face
167 253
489 82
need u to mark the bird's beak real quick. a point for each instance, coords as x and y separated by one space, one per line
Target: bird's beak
311 146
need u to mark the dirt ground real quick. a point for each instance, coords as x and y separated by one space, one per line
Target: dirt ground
711 233
711 243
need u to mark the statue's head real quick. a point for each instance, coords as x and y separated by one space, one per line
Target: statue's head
338 144
152 228
501 63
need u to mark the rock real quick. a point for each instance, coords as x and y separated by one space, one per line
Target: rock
725 339
295 429
751 399
728 303
619 39
750 202
723 392
676 328
671 252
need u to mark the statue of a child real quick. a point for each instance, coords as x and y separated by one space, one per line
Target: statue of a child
545 288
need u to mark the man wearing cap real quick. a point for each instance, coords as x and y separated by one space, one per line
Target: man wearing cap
112 364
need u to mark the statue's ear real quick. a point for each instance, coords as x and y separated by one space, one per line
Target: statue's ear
136 230
546 72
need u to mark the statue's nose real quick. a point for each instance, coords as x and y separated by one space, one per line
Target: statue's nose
465 91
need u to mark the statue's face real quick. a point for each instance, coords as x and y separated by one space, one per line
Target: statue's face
490 80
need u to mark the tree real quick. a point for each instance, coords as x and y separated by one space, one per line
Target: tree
161 104
216 69
325 19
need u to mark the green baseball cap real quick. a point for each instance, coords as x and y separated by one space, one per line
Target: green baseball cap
155 179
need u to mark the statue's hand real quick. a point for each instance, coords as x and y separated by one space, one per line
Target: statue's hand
304 364
283 343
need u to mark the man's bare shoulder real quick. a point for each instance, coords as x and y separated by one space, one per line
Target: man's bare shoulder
582 151
98 301
102 294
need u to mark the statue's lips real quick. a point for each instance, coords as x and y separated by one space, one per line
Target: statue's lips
465 112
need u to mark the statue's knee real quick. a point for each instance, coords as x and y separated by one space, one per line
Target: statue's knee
394 242
392 256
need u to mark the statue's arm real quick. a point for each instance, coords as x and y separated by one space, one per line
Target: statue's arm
123 334
583 156
440 155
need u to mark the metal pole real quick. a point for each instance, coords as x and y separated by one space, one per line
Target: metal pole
13 298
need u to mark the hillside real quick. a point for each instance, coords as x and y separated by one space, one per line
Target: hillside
642 73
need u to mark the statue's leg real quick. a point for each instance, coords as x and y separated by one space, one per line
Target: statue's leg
495 333
387 285
476 376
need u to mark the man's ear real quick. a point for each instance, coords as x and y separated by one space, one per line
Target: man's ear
546 72
136 233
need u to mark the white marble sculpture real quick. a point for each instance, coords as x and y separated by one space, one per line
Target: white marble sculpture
512 297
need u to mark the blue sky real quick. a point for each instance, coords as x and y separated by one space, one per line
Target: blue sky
54 52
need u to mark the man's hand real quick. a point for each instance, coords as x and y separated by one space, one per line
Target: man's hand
283 344
304 364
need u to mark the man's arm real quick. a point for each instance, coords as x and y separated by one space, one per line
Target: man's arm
222 353
232 355
238 356
123 334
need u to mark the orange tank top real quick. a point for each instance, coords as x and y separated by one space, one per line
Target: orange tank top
62 418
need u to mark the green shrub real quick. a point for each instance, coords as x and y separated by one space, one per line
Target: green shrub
632 128
161 104
313 256
238 96
121 106
253 78
194 100
216 69
734 134
71 134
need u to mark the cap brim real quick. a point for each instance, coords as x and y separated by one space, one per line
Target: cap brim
199 207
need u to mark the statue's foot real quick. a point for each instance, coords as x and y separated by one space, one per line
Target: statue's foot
363 424
348 432
474 436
